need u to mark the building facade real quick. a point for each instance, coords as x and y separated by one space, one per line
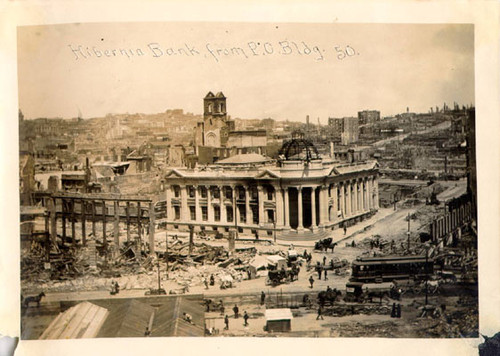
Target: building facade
300 192
368 116
345 130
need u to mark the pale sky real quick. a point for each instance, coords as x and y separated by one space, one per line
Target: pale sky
389 68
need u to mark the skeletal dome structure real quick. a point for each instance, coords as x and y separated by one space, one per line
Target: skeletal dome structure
298 149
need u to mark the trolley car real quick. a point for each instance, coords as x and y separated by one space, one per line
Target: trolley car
389 268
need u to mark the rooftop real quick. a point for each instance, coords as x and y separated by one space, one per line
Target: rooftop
247 158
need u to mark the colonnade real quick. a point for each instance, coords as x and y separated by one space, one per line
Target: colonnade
267 204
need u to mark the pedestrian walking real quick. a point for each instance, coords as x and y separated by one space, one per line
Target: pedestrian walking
236 311
311 280
226 321
245 317
325 276
319 273
222 309
212 280
320 313
324 260
345 229
262 298
205 282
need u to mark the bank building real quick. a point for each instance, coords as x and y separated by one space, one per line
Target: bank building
301 195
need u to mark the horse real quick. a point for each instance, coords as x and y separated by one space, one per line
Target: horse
332 246
33 299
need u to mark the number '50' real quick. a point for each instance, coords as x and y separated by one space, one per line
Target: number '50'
342 53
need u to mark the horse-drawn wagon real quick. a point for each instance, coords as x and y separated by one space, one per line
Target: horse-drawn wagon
279 272
366 292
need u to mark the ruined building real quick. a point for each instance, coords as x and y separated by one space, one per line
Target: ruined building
301 192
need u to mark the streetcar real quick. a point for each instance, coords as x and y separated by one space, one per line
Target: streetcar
389 268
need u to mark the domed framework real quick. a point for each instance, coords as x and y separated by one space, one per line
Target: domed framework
298 148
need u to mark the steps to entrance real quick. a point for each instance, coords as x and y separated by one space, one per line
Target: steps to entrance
306 235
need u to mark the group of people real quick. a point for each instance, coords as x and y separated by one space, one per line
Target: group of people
206 281
236 311
115 288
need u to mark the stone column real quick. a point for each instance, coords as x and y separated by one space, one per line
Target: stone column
362 195
347 195
184 205
247 206
223 218
365 196
375 183
210 210
370 193
353 197
341 198
335 197
286 213
278 194
299 198
313 208
197 207
260 190
236 211
356 197
323 205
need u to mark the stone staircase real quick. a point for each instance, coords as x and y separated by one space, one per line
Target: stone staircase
305 235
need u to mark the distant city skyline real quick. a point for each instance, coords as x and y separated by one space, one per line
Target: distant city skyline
282 71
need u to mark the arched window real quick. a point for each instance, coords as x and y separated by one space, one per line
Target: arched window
209 108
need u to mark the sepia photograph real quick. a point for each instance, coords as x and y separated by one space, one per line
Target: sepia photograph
233 179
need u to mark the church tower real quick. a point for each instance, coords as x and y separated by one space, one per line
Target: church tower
215 128
214 106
